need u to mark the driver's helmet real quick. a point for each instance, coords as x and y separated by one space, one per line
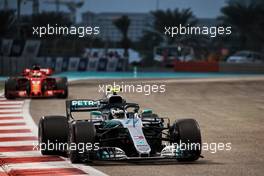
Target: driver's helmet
117 113
36 67
35 73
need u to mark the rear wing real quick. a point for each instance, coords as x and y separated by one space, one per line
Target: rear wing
46 71
81 105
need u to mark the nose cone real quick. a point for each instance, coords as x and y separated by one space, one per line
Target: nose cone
35 87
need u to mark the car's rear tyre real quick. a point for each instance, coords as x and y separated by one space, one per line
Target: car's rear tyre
187 132
62 84
10 86
53 131
81 133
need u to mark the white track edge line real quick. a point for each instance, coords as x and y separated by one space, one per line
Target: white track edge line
28 119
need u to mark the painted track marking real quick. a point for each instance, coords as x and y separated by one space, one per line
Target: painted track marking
18 143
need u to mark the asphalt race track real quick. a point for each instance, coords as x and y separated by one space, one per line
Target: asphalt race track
228 111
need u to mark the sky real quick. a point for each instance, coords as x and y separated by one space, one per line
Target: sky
200 8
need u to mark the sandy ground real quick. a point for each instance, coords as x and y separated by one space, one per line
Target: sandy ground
227 111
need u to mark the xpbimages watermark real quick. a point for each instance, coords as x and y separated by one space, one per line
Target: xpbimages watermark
212 31
80 31
146 89
56 146
212 147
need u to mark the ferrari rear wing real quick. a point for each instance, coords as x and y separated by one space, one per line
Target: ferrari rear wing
46 71
81 105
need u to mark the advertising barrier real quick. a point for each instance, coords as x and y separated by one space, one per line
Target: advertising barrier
102 64
92 64
241 67
6 46
58 67
65 64
223 67
112 64
196 66
31 48
15 55
83 64
73 64
17 48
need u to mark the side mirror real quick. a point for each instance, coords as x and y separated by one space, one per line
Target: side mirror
47 71
146 112
25 72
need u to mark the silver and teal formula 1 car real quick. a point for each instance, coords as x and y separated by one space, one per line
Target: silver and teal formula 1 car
117 130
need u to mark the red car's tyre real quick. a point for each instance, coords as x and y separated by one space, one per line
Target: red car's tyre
62 84
10 86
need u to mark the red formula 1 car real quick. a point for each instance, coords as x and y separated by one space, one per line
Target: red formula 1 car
36 82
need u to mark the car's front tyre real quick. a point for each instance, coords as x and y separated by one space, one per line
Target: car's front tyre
10 86
53 135
187 132
82 133
62 84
